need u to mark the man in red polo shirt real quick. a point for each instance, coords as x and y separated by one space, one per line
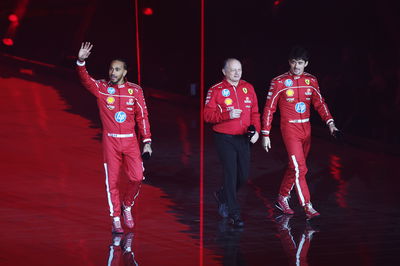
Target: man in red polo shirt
232 107
122 106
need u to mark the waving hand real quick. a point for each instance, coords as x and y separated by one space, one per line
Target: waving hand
84 52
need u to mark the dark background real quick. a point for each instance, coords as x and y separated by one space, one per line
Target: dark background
354 48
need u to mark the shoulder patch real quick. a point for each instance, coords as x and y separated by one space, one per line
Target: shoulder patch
310 76
216 85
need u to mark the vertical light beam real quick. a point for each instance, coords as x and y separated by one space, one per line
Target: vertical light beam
201 129
137 43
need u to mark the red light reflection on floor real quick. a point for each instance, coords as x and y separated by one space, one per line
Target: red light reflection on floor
268 205
336 173
183 136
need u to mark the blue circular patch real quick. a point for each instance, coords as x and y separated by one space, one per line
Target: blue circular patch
288 83
110 90
300 107
120 117
226 92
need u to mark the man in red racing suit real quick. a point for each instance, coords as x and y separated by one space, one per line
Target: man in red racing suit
294 92
122 106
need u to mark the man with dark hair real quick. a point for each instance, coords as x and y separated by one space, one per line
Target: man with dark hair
122 106
232 107
298 52
294 92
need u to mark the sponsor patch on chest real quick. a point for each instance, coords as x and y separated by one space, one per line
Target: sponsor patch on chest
120 116
130 102
110 90
228 101
288 83
226 93
290 92
290 100
300 107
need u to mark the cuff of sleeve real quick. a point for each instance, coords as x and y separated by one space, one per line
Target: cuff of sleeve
329 121
80 63
225 116
146 141
265 133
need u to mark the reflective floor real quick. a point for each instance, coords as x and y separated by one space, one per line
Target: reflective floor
54 208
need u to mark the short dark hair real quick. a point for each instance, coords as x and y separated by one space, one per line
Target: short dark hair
299 52
121 60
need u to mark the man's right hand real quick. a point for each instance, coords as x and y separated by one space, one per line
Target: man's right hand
235 113
84 52
266 143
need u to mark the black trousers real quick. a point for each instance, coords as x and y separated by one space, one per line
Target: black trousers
234 153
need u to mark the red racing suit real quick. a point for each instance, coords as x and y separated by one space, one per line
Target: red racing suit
121 108
224 97
294 96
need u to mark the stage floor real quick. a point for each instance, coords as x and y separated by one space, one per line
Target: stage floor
54 207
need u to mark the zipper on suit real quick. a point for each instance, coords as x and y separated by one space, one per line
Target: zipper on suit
119 110
237 99
298 99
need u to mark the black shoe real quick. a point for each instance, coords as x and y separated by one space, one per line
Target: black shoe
222 207
236 221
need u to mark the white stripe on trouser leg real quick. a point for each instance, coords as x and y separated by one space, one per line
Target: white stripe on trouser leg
134 198
137 194
143 170
291 238
291 189
108 192
110 258
298 253
296 168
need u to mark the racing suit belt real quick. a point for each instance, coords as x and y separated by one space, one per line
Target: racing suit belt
120 135
300 120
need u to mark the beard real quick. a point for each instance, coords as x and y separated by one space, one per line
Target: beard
115 80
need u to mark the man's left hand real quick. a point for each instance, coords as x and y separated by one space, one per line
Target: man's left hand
147 148
332 128
254 138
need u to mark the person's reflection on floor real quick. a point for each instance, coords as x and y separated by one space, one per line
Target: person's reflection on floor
121 246
228 238
296 252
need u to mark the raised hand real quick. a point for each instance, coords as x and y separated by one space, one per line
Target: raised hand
84 52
